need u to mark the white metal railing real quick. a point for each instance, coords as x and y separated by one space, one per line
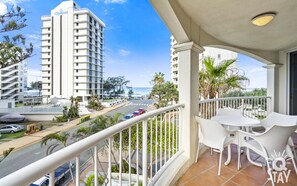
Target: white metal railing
153 138
254 107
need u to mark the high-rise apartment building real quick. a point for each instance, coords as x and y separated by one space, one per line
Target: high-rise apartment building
216 53
72 53
13 80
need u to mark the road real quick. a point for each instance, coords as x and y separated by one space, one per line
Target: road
34 152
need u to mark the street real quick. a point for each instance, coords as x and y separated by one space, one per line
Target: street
25 156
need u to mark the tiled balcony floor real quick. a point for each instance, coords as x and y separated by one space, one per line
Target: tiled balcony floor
204 172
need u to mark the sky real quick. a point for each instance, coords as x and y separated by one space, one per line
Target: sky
137 42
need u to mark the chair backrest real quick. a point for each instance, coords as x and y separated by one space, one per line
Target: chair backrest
229 111
278 119
275 139
212 132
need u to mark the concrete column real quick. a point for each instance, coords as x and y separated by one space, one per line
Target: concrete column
272 86
188 69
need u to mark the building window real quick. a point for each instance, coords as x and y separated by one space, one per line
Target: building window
76 30
48 53
48 84
48 90
76 44
90 33
96 31
77 58
90 27
48 35
76 16
76 64
77 24
76 77
76 50
48 66
96 43
48 47
76 84
48 78
48 72
90 46
90 40
76 90
48 41
76 70
48 59
48 29
76 37
91 19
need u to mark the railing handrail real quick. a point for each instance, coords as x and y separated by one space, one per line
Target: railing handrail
232 98
49 163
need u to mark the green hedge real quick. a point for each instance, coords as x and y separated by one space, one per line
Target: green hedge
84 118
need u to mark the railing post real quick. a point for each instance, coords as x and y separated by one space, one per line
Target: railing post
144 153
242 106
95 165
52 178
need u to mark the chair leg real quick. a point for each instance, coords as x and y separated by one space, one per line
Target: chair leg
210 151
270 173
238 157
197 153
220 162
290 154
250 159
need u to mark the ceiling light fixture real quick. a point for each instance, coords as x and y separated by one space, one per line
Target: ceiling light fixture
263 19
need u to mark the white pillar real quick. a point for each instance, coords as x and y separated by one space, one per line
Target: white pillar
188 68
272 86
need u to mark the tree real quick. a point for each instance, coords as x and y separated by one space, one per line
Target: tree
13 49
37 85
95 103
217 80
158 78
114 86
130 93
164 93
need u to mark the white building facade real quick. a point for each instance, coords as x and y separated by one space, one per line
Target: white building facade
13 80
72 53
216 53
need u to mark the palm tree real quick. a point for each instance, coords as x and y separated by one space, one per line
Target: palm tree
158 78
60 139
216 80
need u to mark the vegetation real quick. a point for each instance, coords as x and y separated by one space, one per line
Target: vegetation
6 153
13 135
37 85
90 180
164 92
71 113
13 49
254 92
84 119
114 86
130 93
95 104
216 80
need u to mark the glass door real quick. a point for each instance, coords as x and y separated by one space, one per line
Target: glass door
293 83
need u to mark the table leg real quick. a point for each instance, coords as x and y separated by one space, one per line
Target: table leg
229 155
250 160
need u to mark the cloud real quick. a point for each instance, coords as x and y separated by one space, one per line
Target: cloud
257 69
3 8
111 1
34 75
34 39
14 2
124 53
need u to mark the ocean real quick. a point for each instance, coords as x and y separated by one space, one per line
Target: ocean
139 91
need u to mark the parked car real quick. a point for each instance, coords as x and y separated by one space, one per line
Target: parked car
11 128
128 116
141 111
136 113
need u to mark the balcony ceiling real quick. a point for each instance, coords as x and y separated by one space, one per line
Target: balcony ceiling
229 21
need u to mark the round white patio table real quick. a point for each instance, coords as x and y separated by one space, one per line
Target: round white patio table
237 121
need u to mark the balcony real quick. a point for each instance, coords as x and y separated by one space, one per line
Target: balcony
152 147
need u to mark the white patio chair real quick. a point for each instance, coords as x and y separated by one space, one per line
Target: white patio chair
281 120
230 112
270 144
213 135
